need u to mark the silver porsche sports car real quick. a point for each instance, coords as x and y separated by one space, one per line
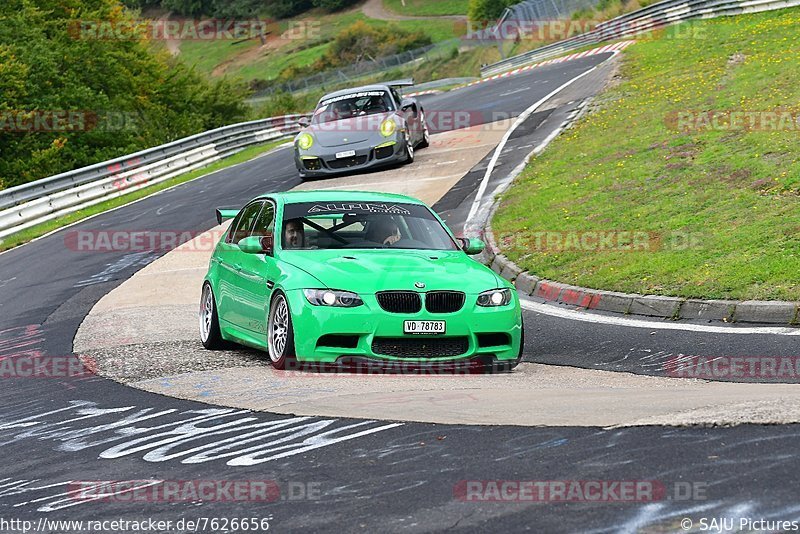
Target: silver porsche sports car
360 128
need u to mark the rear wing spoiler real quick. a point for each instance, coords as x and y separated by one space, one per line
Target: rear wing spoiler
225 214
408 82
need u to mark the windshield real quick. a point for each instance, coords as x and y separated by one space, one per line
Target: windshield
364 225
353 105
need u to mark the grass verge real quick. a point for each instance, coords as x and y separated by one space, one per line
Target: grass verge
719 202
39 230
247 61
427 8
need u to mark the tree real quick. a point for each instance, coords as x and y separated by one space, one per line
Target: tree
122 95
282 9
487 10
189 8
334 5
240 10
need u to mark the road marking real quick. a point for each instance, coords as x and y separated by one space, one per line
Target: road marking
522 118
509 93
236 437
402 179
575 315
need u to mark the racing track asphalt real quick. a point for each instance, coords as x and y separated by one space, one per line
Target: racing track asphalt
400 478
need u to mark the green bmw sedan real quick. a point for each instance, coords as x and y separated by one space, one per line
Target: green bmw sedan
337 277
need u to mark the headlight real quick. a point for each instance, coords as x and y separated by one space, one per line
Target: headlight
304 141
388 127
494 297
328 297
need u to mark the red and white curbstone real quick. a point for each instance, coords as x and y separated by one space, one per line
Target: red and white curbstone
607 48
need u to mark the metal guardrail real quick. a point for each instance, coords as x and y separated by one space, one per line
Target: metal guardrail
36 202
652 17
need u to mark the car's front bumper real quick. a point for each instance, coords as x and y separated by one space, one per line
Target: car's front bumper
367 333
323 161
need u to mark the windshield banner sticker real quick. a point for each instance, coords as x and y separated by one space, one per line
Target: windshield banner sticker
351 95
364 207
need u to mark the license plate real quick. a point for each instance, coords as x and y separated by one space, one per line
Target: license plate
424 327
345 154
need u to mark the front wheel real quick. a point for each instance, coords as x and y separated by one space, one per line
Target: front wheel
280 334
210 334
409 149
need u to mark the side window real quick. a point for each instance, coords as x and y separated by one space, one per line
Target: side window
241 226
265 224
397 97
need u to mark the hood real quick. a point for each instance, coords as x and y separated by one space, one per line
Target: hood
370 271
348 131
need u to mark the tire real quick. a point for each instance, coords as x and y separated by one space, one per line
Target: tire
521 344
409 149
210 334
280 333
426 136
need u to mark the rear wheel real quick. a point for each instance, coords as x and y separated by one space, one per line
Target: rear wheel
280 334
210 333
426 136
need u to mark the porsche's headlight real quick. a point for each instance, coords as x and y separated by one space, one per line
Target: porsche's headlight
388 127
329 297
304 141
494 298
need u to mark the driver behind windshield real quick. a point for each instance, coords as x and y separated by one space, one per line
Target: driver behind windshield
293 234
376 104
343 110
384 231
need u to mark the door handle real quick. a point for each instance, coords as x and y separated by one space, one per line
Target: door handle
237 267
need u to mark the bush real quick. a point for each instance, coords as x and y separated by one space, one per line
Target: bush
282 9
360 42
189 8
334 5
487 10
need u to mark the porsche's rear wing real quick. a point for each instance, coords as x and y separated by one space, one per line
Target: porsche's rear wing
408 82
225 214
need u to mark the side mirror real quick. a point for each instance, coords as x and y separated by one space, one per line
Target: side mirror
303 122
257 245
407 104
472 246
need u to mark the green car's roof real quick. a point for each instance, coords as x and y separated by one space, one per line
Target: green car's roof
292 197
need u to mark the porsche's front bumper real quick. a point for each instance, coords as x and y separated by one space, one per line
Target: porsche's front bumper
322 161
368 333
